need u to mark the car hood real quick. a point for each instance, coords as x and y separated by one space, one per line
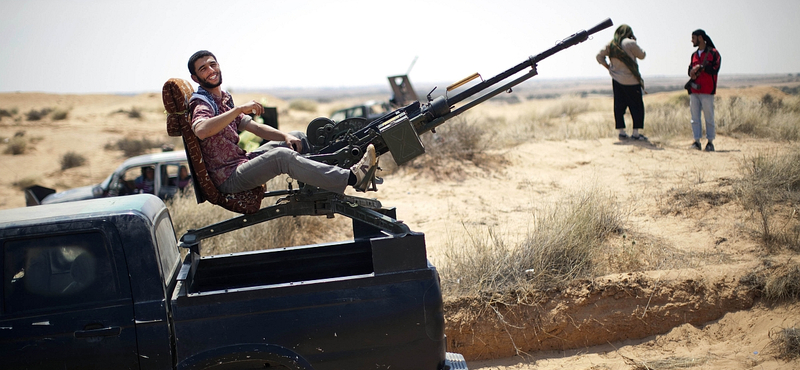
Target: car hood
81 193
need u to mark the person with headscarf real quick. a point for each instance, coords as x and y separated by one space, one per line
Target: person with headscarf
703 70
619 57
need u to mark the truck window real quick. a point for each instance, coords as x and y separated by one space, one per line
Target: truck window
167 248
355 112
377 109
55 271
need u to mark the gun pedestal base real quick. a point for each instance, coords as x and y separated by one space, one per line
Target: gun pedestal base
369 216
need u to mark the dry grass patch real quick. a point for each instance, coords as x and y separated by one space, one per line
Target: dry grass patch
559 248
765 117
303 105
770 190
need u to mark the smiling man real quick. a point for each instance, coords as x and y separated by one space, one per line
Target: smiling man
217 122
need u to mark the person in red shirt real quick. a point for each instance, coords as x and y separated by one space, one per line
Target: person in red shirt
703 71
217 122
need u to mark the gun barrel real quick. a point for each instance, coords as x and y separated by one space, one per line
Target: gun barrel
531 62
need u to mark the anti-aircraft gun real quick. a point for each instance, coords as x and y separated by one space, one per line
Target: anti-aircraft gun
344 143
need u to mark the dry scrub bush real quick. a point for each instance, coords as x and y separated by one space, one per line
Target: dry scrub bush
559 247
59 114
25 183
777 283
282 232
8 112
460 141
16 145
783 284
770 189
132 147
72 159
134 112
35 115
785 342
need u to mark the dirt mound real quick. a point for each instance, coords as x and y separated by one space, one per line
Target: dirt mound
589 313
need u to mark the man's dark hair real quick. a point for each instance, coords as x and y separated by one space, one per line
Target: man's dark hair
196 56
701 33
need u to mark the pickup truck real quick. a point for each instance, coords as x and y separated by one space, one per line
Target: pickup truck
101 284
166 167
369 110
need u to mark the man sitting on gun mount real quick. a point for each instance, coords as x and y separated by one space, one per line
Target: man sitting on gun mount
217 122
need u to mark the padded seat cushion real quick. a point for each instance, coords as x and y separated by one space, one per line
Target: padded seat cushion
176 94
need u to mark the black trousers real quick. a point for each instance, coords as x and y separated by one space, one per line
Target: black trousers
628 97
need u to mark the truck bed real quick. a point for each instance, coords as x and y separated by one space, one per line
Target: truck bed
281 266
374 300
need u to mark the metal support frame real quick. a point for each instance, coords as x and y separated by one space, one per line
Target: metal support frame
304 203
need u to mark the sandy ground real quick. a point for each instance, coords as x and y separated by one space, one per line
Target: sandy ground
695 318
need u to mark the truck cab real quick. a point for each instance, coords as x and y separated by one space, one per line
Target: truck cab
74 298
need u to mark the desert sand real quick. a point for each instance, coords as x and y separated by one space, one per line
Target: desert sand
693 317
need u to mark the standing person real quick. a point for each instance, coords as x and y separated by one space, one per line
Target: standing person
703 70
216 121
626 80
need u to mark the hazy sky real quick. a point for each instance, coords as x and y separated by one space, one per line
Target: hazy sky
111 46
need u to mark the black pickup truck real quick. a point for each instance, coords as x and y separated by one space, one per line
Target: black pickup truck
100 284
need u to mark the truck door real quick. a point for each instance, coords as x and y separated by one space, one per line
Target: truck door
63 304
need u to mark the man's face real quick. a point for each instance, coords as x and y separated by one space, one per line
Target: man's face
695 40
207 73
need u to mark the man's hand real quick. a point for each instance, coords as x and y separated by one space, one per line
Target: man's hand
694 71
252 107
294 143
